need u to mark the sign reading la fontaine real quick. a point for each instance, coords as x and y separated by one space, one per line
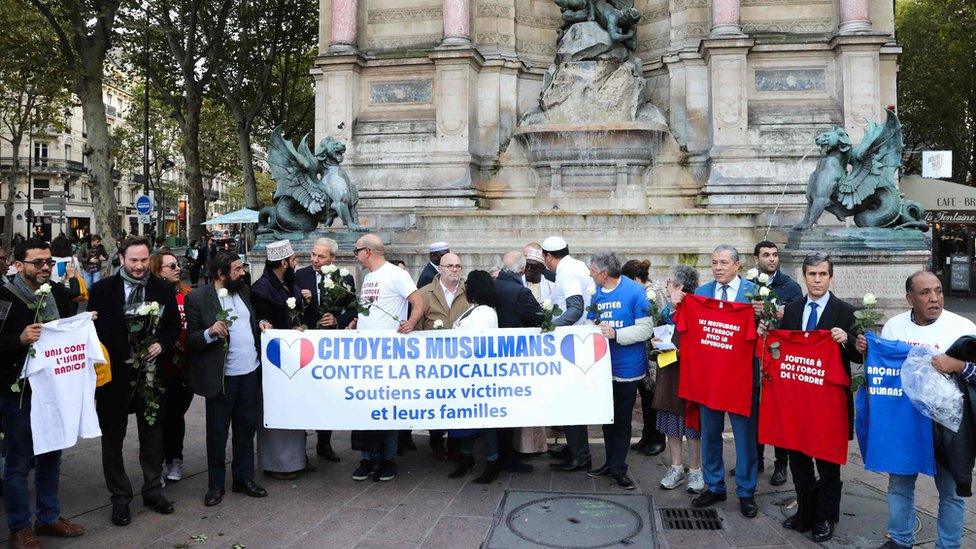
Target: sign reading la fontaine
444 379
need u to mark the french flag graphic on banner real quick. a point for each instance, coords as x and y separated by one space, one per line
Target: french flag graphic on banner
584 352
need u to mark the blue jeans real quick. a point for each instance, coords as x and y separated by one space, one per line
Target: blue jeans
91 278
389 448
746 457
901 510
20 459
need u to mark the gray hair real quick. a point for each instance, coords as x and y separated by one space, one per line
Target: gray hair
730 249
608 262
329 243
513 262
685 276
816 258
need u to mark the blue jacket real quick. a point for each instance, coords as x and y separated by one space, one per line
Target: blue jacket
785 287
745 287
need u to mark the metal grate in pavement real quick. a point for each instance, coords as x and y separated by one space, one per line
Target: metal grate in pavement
689 518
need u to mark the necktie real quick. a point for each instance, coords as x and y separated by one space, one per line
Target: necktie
812 319
135 295
725 292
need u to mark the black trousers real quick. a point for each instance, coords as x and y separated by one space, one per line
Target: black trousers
178 397
113 420
649 432
324 439
236 408
616 435
826 491
782 455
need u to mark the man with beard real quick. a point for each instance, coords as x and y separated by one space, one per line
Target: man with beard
309 280
229 381
109 298
19 331
281 452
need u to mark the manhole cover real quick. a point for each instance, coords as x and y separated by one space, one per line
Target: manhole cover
577 521
689 518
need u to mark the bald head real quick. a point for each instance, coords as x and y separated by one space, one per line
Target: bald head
369 251
513 262
371 241
450 269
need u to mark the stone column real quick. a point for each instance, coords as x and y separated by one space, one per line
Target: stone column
855 17
344 23
457 23
725 18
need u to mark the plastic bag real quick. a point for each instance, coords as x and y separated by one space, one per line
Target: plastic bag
933 394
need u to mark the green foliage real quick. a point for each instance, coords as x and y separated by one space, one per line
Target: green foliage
937 80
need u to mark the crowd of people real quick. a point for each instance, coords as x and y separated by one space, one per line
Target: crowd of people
208 344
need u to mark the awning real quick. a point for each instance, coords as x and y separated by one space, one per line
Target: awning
244 215
944 201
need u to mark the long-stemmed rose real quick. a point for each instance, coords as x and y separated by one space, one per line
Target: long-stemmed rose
142 323
551 311
295 313
768 314
866 319
228 317
42 293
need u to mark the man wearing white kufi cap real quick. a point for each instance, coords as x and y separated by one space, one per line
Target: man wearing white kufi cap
436 250
571 294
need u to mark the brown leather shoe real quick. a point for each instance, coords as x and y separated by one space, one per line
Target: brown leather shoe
24 539
60 528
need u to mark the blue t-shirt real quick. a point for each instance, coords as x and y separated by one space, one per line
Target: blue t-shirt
618 309
894 436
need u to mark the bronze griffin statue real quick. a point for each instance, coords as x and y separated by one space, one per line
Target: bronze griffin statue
312 188
869 192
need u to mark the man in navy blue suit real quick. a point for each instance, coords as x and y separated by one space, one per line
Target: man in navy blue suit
729 286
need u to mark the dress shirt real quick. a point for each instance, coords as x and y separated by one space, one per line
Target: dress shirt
821 305
448 294
733 290
242 357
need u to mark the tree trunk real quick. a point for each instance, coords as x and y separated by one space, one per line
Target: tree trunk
193 100
88 88
247 162
8 205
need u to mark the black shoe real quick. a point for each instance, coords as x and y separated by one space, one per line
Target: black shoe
640 444
250 489
159 504
465 464
600 471
492 468
326 451
121 516
213 497
708 498
364 471
795 523
748 507
515 465
386 471
623 481
779 476
571 465
653 449
823 531
560 453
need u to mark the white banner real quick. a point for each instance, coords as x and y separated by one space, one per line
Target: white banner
444 379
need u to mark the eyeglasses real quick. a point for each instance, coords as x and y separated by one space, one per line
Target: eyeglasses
357 250
172 265
38 263
452 267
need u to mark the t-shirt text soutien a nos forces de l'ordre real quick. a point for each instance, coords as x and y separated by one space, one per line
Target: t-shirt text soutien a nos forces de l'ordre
62 380
717 347
804 397
385 293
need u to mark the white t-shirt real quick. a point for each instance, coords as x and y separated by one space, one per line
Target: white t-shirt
937 336
62 379
61 268
385 293
573 278
480 317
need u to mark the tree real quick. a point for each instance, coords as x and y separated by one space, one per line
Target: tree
85 31
937 80
33 87
291 103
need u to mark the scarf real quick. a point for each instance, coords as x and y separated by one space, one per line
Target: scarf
26 294
137 295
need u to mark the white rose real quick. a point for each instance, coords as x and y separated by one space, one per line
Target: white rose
547 305
590 290
764 291
154 307
343 272
330 269
328 284
752 274
324 269
222 293
651 294
869 300
763 278
438 324
290 302
143 309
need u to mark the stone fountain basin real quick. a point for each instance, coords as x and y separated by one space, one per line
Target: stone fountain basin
592 144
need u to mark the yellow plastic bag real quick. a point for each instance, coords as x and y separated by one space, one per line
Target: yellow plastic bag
103 370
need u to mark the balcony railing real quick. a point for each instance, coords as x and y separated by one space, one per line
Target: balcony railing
44 165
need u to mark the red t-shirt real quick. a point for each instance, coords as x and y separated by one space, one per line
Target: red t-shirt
717 349
804 397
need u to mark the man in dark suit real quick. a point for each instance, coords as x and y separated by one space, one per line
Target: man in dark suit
4 265
229 381
819 500
437 250
115 400
18 331
308 280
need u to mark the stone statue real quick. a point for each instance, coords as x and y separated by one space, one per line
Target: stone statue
312 188
869 192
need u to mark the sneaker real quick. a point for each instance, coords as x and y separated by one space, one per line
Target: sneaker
386 470
696 482
674 478
364 471
174 473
